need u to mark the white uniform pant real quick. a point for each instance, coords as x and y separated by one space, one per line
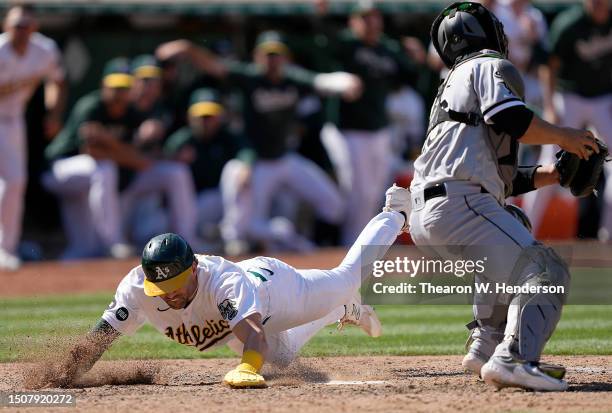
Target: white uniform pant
302 302
248 210
363 162
93 210
575 112
13 179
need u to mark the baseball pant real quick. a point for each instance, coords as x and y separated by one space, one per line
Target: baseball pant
248 210
466 217
88 193
13 179
174 180
302 302
575 112
362 160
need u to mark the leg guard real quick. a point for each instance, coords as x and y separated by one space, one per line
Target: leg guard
533 316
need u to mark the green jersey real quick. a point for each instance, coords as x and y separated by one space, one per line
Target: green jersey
90 108
209 157
378 67
585 52
269 108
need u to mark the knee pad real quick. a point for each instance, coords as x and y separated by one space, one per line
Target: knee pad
534 315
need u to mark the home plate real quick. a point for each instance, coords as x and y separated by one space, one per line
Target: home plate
353 382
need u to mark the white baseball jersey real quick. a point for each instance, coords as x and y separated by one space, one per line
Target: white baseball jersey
458 151
20 75
227 293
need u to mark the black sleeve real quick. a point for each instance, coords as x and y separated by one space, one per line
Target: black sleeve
514 121
523 182
102 327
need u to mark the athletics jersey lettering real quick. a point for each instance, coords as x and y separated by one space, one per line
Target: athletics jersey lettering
270 100
201 336
378 65
225 295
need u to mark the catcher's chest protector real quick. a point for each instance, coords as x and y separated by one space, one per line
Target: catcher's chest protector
502 146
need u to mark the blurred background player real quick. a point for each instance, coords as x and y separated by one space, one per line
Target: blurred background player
207 145
99 173
578 94
271 90
362 150
26 59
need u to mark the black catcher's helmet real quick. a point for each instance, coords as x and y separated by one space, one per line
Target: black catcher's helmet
466 27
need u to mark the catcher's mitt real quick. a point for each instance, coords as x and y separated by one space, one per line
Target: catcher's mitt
581 175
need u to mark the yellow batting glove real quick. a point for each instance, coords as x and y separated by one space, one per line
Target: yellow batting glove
246 374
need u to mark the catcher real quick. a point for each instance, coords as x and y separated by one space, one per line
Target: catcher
468 166
262 308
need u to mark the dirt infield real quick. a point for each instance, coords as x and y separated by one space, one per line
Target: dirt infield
385 384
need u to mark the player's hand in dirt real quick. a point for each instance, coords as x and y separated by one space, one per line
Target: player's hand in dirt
243 376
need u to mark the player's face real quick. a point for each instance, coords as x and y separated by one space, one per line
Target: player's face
599 10
272 63
205 127
180 298
19 25
368 26
147 90
117 98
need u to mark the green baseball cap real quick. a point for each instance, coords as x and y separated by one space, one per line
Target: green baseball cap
166 262
271 42
205 102
146 67
117 73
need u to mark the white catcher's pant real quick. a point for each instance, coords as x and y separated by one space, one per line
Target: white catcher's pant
575 112
302 302
13 179
467 217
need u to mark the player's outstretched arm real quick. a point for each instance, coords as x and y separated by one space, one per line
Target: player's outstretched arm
577 141
80 358
250 331
202 58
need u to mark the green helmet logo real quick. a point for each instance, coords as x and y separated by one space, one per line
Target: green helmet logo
166 262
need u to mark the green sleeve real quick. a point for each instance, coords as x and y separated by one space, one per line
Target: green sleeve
407 68
560 37
67 142
302 78
176 141
240 73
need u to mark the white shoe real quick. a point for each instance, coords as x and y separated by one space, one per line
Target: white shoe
361 315
8 261
508 372
398 199
472 363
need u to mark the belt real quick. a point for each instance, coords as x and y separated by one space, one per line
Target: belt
440 190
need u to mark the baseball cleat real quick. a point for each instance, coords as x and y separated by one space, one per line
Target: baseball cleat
472 363
9 262
509 372
398 199
361 315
